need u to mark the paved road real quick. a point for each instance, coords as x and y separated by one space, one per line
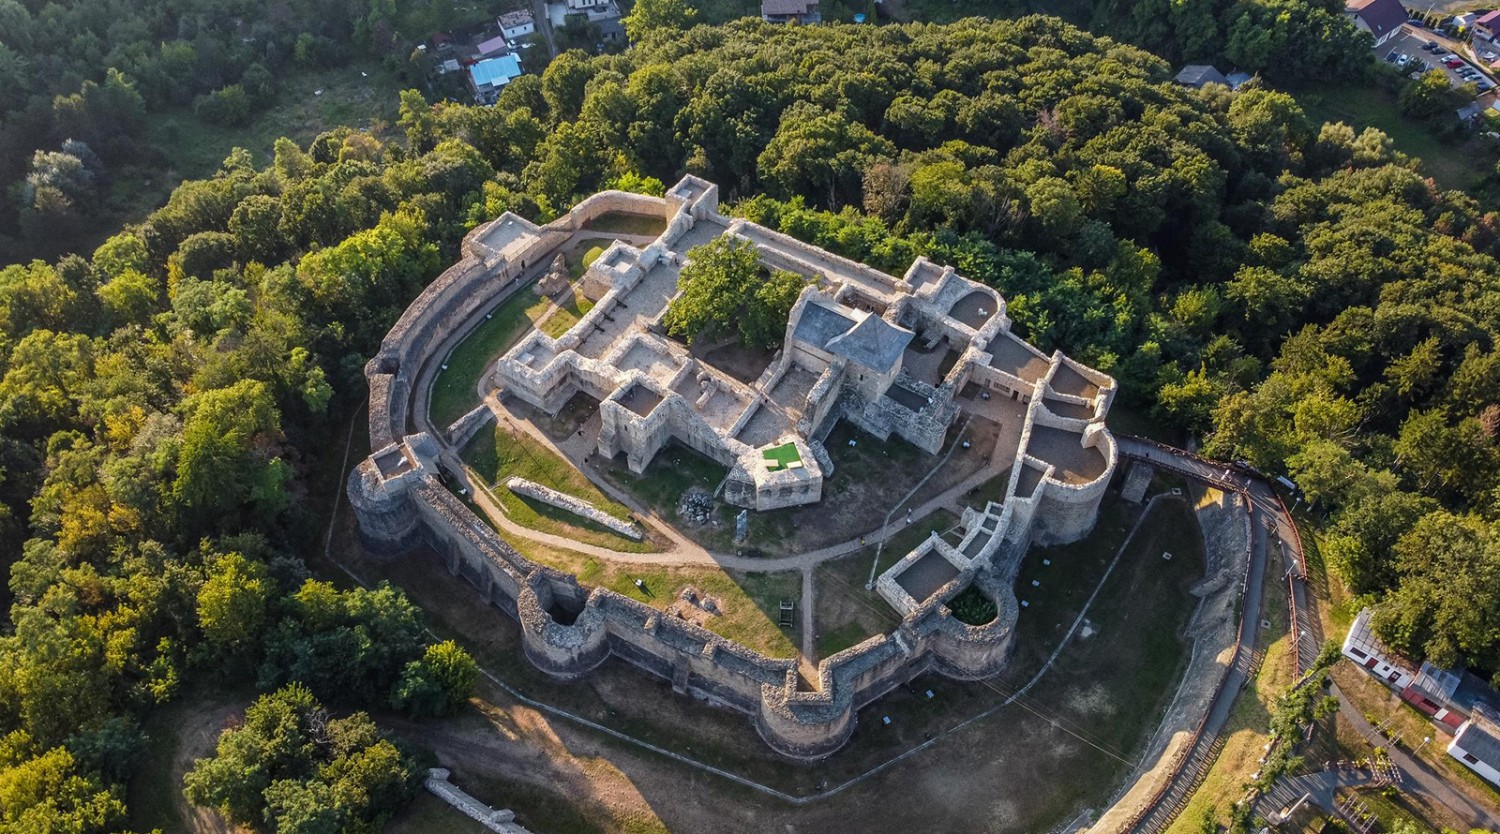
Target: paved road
1272 518
1421 778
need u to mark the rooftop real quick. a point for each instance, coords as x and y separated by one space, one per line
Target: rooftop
1075 463
925 576
1196 75
1019 360
1382 16
787 7
496 72
1479 739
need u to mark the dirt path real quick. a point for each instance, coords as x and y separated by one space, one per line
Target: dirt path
683 551
196 728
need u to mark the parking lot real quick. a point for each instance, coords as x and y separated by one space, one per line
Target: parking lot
1409 44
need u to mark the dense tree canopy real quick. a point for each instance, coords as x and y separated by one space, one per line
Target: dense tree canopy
725 289
291 767
1297 293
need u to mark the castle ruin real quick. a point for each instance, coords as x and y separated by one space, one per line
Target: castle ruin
894 356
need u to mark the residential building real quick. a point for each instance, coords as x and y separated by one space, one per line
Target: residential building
1197 75
790 11
488 76
1477 745
517 24
1363 647
491 47
1381 18
585 5
1487 26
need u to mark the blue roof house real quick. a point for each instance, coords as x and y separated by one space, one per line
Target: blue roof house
489 75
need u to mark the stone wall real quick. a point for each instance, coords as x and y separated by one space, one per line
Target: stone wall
567 631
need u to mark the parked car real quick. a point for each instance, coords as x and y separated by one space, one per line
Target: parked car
1453 63
1390 57
1431 46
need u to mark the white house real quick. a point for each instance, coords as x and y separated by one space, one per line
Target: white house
517 24
1364 648
1381 18
1477 745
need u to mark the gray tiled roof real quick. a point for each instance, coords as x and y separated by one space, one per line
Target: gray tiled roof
819 325
1480 742
1196 75
783 7
870 341
873 342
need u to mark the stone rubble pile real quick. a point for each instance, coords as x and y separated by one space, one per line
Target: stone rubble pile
696 506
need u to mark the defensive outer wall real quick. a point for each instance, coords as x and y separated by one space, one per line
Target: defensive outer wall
402 504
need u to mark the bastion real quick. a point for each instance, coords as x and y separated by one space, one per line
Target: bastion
858 346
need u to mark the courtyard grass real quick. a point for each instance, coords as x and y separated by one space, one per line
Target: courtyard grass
751 603
991 490
673 471
847 614
455 391
626 223
585 253
498 455
568 312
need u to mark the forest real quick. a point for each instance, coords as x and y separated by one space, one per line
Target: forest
1295 294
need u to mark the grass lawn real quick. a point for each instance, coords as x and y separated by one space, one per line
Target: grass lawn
176 735
501 454
366 102
566 315
846 613
751 603
194 149
625 223
991 490
782 456
454 392
1452 164
429 815
585 253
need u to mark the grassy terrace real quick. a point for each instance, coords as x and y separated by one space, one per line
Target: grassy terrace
522 456
848 614
750 602
455 391
624 223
